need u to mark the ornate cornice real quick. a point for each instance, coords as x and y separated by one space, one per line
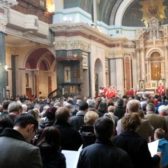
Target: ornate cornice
71 44
90 33
8 3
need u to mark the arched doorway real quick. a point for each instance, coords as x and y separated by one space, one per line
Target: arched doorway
39 74
98 75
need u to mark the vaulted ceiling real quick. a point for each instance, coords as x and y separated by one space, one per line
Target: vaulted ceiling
108 10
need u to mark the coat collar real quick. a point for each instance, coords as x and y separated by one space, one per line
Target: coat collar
104 141
9 132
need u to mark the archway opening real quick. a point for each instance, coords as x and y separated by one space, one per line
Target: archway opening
39 73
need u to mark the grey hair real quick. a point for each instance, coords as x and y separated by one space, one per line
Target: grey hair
14 107
133 106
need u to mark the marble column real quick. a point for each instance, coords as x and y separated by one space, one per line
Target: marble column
117 74
3 75
95 11
135 71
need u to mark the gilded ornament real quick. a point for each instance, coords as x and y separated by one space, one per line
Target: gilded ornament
152 8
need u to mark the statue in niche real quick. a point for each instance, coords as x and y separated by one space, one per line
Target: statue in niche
153 27
153 12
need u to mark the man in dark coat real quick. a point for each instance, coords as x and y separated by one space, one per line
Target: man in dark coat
70 138
78 120
15 152
102 153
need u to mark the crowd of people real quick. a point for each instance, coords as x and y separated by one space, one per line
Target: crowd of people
114 132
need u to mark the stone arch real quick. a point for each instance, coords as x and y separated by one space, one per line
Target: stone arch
121 10
40 79
152 50
35 55
43 64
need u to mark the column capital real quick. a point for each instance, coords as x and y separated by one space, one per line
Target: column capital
3 18
4 7
3 23
8 3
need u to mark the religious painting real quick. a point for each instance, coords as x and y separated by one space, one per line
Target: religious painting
156 71
155 66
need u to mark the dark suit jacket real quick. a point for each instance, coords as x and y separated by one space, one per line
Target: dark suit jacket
16 153
103 154
78 120
70 138
51 157
136 147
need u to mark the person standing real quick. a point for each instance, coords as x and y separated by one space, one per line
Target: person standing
50 148
103 153
16 150
135 145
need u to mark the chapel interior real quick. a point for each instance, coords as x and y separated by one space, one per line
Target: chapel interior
70 47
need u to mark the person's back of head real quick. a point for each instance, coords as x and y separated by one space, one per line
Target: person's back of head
133 106
131 121
111 109
83 105
62 114
15 107
5 122
50 113
120 103
91 103
5 104
27 125
24 119
104 128
163 110
90 117
159 133
150 107
34 112
102 108
51 136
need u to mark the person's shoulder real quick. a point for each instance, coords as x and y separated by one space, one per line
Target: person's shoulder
104 147
119 151
90 147
27 146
